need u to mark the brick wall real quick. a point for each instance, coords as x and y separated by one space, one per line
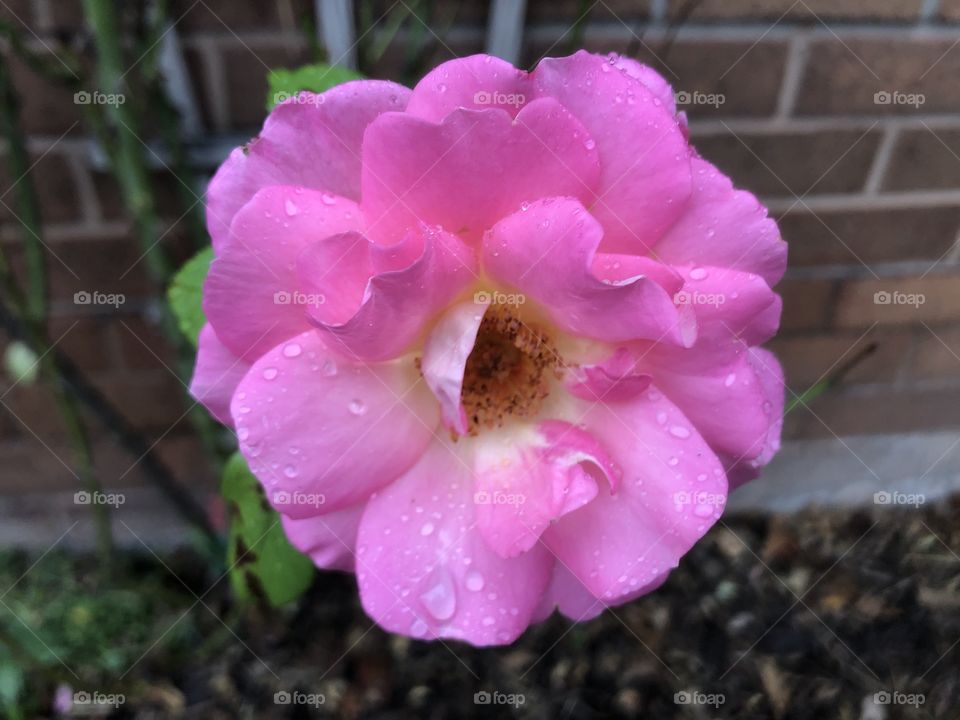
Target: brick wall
868 193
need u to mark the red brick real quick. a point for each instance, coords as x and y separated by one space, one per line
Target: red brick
165 191
869 236
811 11
246 80
143 345
807 359
52 182
568 11
949 10
224 16
938 353
887 411
747 75
153 400
806 303
927 158
88 340
859 303
46 108
843 76
794 163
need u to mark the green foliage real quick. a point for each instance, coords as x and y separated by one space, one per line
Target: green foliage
185 294
315 78
263 565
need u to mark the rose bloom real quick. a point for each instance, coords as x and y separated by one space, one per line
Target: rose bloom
491 343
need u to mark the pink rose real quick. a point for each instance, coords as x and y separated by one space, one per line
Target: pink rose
491 343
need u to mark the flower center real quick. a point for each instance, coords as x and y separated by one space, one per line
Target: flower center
507 374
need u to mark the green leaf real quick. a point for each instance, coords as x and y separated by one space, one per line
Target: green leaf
185 294
263 565
315 78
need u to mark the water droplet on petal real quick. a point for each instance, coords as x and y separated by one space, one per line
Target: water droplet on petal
427 529
270 373
329 368
474 581
698 273
290 207
731 379
440 599
679 431
292 350
357 407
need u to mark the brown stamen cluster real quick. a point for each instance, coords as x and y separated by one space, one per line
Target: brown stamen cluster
507 372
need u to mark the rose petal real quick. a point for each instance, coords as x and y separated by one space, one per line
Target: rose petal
321 433
252 295
547 252
425 570
311 141
495 163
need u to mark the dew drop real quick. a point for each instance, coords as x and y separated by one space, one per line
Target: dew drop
474 581
270 373
731 379
292 350
290 471
291 207
698 273
329 368
357 407
441 599
679 431
427 529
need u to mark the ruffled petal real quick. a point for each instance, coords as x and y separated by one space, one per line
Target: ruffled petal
769 373
445 358
472 168
477 82
548 253
216 375
310 140
388 294
728 403
645 178
726 228
320 433
330 540
425 570
252 296
673 490
527 480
